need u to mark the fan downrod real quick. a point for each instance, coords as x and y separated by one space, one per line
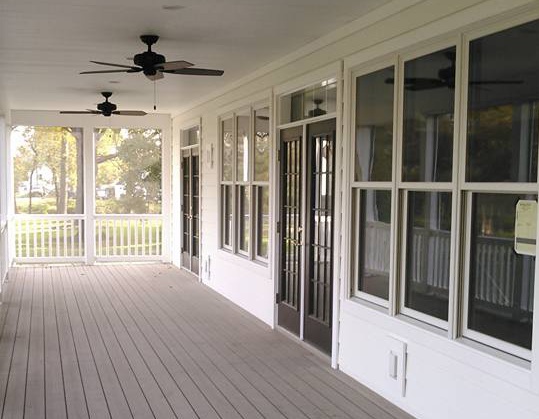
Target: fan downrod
149 40
106 95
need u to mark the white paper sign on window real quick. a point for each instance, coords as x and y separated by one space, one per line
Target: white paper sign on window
526 227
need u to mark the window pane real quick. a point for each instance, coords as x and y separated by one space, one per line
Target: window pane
262 145
243 218
242 142
226 207
503 92
186 189
227 148
47 170
428 252
316 100
374 126
263 222
128 170
429 99
373 209
501 281
190 136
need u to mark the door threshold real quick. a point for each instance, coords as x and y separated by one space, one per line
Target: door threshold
311 348
191 273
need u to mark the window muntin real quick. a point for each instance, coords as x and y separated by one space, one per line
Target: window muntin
503 111
501 282
245 166
48 170
429 99
374 126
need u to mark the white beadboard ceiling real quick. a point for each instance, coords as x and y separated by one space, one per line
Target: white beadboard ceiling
44 44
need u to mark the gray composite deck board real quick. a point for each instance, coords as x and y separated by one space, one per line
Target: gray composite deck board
148 341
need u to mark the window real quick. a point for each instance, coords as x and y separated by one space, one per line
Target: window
501 155
447 219
425 185
315 100
128 171
245 159
372 183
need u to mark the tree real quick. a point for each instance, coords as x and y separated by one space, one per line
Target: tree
57 150
130 158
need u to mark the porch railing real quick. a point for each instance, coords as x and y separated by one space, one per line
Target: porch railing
128 236
49 237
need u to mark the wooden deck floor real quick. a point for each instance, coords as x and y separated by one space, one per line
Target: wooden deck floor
145 341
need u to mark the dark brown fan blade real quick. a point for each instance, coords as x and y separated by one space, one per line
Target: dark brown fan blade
496 82
130 113
106 71
79 112
156 76
420 83
174 65
196 72
114 65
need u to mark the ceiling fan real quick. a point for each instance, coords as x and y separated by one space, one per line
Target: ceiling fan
446 78
106 108
153 65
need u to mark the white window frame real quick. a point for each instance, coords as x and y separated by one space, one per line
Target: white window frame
251 185
358 186
468 188
456 326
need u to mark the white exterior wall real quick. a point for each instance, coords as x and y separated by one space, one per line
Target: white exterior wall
444 378
4 241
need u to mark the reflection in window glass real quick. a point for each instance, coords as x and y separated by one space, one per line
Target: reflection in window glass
190 136
374 126
244 215
226 205
503 112
429 98
227 148
262 145
262 221
373 243
428 247
501 281
128 170
47 170
242 141
316 100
